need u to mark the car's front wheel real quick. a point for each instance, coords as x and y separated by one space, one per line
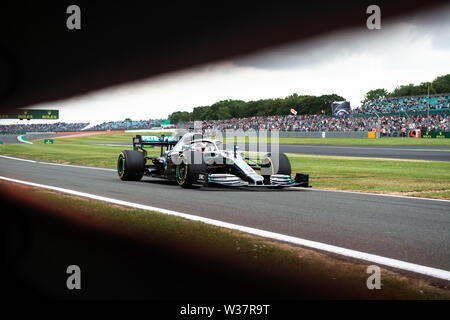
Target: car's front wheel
277 163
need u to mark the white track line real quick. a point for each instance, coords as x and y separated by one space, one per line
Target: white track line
374 194
57 164
75 166
113 145
21 139
12 158
432 272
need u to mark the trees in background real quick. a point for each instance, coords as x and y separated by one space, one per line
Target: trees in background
439 85
227 109
179 116
374 95
412 90
303 104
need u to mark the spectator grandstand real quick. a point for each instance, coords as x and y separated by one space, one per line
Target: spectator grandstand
68 127
126 125
388 125
42 127
405 104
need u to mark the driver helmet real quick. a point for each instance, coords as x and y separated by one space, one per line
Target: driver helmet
200 146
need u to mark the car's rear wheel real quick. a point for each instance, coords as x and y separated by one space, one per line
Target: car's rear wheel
130 165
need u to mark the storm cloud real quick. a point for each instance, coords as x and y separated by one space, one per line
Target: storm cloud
392 42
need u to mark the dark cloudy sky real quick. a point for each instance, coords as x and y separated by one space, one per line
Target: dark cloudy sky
349 63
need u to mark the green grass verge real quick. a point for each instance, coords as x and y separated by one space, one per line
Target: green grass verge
305 267
408 177
71 151
84 154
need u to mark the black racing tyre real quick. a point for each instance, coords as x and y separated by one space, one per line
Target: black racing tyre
276 163
131 165
284 165
184 173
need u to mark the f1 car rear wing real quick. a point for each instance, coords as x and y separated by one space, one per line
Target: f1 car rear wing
139 142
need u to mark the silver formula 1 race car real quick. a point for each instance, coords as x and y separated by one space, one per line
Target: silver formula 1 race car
192 159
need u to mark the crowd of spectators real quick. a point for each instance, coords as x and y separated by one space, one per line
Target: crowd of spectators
368 117
126 125
405 104
68 127
306 123
388 124
42 127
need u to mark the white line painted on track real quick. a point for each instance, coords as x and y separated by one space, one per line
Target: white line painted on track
19 159
76 166
113 145
432 272
373 194
57 164
21 139
313 189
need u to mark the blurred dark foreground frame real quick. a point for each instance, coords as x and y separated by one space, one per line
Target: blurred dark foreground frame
41 60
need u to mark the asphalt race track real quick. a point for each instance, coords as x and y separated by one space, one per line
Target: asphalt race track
13 138
438 153
9 138
407 229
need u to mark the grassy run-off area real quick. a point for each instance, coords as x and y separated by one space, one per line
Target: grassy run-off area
407 177
305 268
